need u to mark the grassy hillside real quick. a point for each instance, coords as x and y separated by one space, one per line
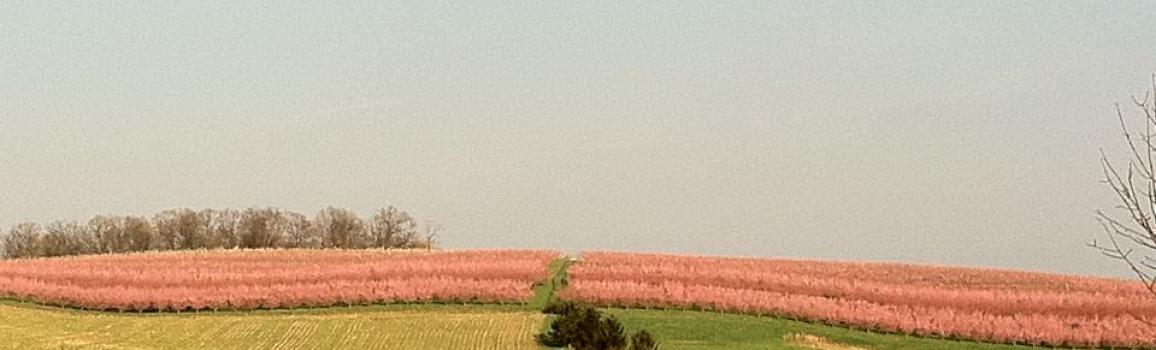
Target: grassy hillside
682 329
25 326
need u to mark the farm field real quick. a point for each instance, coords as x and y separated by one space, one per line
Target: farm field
490 299
28 326
25 326
698 330
996 306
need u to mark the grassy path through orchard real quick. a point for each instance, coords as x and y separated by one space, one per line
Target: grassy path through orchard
547 291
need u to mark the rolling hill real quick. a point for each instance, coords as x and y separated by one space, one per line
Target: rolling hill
489 299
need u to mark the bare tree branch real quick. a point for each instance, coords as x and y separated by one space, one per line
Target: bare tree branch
1133 240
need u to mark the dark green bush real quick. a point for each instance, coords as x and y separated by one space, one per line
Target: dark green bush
584 328
560 308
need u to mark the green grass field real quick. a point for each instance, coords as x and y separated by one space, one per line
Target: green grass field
698 330
24 326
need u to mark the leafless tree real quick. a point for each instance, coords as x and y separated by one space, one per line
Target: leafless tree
63 238
220 227
190 231
300 232
432 230
340 228
24 241
1131 235
166 224
261 228
392 228
107 234
139 233
179 229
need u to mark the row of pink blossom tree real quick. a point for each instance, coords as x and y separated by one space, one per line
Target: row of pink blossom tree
262 279
964 303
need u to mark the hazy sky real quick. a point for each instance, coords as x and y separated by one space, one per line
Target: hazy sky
962 132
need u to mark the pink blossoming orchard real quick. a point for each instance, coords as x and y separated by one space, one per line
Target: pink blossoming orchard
964 303
242 280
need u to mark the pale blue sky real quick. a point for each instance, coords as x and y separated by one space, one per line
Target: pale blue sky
963 133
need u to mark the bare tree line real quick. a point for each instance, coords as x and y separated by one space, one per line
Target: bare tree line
187 229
